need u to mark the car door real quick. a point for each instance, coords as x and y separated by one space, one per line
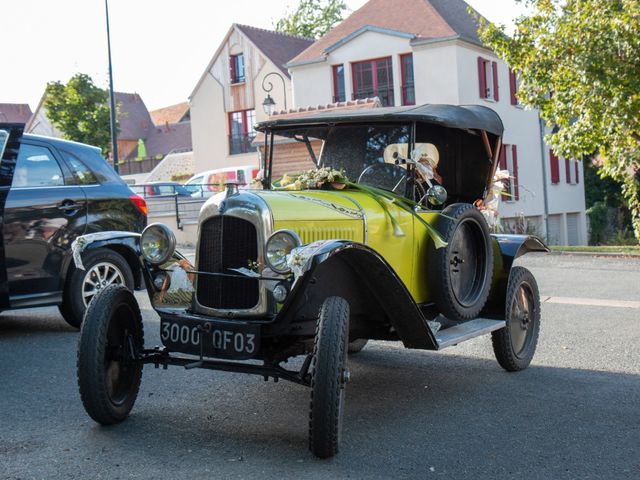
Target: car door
44 213
10 136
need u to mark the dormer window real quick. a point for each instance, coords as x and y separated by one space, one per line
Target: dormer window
236 67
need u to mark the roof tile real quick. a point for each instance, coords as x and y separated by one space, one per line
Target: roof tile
424 19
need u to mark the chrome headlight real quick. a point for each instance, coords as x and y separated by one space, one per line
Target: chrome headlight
279 246
158 243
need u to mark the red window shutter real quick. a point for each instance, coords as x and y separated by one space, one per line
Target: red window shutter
516 185
496 95
577 173
503 165
555 167
512 87
482 78
567 170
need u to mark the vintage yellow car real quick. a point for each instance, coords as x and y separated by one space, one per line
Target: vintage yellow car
381 240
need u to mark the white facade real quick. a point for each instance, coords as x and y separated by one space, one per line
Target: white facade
215 97
447 71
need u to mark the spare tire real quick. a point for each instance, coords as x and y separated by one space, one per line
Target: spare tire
460 274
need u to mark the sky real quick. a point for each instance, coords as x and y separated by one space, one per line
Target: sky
160 48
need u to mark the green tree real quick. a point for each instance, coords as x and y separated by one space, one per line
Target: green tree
79 110
579 63
312 18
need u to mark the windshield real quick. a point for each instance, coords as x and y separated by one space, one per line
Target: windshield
364 152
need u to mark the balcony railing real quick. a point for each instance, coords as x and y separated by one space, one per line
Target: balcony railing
241 143
144 165
385 95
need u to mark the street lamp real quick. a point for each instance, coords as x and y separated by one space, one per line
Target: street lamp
269 104
112 101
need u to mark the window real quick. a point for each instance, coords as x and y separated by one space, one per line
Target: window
241 131
81 172
374 78
236 66
488 79
509 162
514 85
554 167
408 87
571 171
36 167
338 83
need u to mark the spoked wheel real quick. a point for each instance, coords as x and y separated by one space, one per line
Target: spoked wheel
108 373
460 273
515 344
329 376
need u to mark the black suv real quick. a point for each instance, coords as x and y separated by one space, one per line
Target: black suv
51 192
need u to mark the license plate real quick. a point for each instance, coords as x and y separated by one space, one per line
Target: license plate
211 338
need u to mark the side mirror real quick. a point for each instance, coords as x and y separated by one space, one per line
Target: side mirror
437 195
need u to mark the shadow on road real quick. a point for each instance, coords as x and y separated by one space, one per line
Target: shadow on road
406 412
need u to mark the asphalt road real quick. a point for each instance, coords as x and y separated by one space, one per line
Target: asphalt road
575 413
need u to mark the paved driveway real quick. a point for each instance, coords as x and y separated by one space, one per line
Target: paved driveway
575 413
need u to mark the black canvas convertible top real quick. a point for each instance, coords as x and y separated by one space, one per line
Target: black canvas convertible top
474 117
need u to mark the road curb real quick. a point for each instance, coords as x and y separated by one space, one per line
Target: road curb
596 254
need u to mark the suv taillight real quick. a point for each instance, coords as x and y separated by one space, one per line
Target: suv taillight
140 204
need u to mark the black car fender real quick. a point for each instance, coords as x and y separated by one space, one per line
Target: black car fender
126 244
506 248
380 304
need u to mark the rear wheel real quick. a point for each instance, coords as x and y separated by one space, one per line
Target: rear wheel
329 376
515 344
108 374
103 267
460 273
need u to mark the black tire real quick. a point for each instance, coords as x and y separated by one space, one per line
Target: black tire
329 376
460 273
108 380
515 344
357 345
73 303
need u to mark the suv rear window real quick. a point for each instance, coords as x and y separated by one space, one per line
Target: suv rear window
92 161
81 172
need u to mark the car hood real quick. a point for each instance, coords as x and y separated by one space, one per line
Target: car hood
311 205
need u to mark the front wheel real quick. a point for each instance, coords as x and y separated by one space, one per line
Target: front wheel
329 377
515 344
108 373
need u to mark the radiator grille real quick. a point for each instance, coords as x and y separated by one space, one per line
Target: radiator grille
227 242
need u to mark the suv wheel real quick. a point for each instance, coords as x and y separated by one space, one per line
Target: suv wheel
329 377
102 268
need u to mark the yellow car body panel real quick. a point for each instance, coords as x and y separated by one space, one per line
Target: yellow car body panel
355 215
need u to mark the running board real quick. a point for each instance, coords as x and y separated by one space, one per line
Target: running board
467 331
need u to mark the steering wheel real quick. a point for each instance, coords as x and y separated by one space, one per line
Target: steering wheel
390 168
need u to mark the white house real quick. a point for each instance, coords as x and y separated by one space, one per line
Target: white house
227 101
408 52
